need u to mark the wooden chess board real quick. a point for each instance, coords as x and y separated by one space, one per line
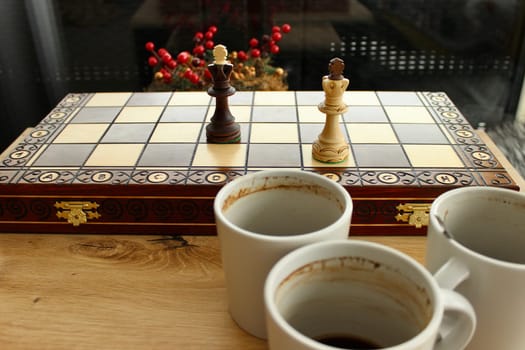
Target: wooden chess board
139 162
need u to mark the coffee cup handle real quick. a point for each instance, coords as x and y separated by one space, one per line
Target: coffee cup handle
459 320
451 274
458 324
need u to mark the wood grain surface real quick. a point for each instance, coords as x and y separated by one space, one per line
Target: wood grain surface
122 292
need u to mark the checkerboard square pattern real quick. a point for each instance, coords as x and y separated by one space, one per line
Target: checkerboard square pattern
387 130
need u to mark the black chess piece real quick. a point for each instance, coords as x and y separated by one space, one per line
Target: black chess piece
222 128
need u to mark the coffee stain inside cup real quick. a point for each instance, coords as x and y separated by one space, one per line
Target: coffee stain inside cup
280 183
347 341
283 206
371 293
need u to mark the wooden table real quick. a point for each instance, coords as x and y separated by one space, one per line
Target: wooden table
123 292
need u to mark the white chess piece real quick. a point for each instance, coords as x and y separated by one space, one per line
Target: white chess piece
331 146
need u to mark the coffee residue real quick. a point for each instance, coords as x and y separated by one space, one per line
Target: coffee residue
363 264
347 341
266 186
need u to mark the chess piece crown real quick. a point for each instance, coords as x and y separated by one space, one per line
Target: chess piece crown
221 69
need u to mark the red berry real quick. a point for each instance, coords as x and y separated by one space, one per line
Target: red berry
274 49
198 36
208 35
152 61
255 53
162 52
183 57
212 29
286 28
196 62
198 50
166 75
172 64
277 36
254 42
276 29
194 78
166 58
209 44
242 56
188 73
207 74
150 46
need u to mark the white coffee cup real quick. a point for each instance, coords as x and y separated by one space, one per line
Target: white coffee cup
356 294
476 244
264 215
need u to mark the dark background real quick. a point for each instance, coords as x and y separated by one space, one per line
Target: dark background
471 49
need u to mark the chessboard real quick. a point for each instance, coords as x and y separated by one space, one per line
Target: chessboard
127 162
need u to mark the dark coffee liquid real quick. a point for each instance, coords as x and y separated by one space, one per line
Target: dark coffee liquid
348 342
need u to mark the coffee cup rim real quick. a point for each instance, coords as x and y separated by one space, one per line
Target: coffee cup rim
274 279
330 184
435 207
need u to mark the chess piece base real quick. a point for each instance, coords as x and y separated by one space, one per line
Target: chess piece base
330 153
232 134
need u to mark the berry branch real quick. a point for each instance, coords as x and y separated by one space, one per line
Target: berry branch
252 68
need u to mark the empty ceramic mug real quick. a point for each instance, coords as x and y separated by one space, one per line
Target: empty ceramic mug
264 215
476 244
361 295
